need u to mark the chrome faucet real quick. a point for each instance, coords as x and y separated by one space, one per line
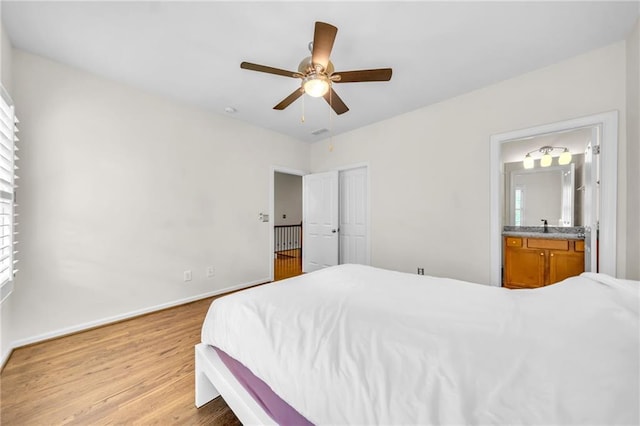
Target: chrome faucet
545 225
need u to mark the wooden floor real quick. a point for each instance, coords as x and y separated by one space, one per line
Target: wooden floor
287 264
139 371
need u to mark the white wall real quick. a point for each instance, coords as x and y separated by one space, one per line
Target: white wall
5 58
633 151
430 181
123 191
288 199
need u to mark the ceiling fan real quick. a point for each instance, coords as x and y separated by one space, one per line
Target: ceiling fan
317 72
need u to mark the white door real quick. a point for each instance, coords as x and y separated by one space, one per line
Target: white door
353 216
320 221
590 202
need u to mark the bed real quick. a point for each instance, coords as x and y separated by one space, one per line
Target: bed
354 344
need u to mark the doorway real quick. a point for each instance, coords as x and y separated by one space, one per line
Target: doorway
599 216
286 213
347 213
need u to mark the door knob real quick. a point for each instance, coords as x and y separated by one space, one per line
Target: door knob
333 231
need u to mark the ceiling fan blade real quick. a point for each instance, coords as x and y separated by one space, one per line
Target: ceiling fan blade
380 74
323 38
336 103
269 70
289 99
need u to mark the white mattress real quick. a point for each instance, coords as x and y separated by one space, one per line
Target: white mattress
358 345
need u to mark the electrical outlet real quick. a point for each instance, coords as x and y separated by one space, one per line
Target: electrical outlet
187 275
211 272
420 271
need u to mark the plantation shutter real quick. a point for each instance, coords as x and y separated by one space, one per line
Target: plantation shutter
8 139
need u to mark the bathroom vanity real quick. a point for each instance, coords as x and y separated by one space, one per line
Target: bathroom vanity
536 259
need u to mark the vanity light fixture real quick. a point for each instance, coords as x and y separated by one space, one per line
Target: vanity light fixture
547 159
565 157
528 161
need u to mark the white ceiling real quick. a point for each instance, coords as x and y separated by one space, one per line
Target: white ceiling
191 51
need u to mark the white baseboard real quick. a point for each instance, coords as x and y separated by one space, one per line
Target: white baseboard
92 324
5 356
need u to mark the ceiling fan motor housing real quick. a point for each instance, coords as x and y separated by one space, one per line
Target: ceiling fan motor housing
306 67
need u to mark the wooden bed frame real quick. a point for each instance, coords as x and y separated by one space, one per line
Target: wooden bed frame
213 379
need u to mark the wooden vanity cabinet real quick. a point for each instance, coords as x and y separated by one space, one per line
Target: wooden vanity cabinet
523 267
536 262
568 263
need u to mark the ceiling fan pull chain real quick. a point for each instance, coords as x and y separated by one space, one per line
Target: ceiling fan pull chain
302 118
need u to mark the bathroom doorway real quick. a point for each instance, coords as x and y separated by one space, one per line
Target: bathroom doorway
598 214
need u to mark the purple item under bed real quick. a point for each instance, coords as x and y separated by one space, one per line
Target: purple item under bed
281 412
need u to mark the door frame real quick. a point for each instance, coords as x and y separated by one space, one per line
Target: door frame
272 202
608 122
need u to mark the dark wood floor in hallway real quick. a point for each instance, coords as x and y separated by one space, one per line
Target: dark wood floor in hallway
139 371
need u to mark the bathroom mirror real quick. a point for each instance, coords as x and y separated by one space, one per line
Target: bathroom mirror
554 193
540 193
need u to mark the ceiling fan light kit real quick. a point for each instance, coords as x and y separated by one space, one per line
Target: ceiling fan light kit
317 72
316 85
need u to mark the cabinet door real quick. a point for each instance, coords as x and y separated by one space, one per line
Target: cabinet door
524 268
564 264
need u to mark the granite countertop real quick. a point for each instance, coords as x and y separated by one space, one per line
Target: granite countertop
553 232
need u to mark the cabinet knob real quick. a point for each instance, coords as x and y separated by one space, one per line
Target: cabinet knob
542 254
551 254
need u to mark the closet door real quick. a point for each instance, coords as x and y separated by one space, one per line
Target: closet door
353 216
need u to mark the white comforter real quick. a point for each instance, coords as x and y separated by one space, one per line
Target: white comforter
359 345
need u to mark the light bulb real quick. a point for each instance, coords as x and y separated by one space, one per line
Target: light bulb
546 160
565 157
528 162
316 86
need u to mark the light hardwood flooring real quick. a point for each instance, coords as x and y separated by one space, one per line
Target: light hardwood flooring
287 264
139 371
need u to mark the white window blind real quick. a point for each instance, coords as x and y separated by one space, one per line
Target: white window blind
8 177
